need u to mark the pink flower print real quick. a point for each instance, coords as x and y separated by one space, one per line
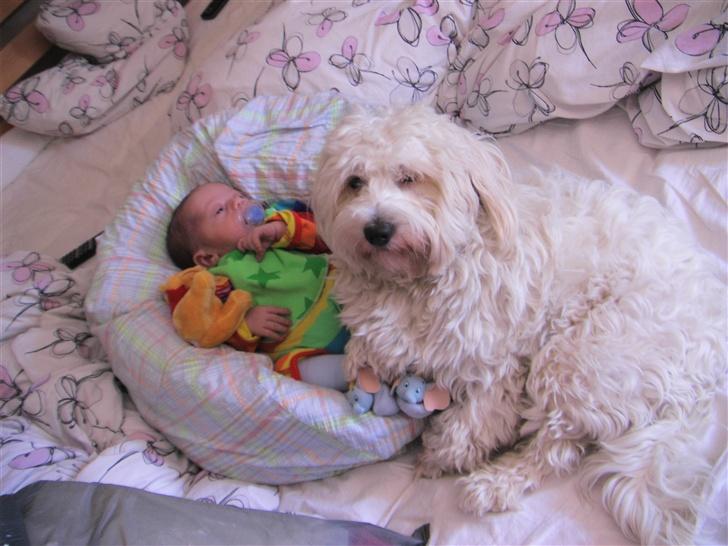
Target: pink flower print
701 39
108 83
240 48
649 22
40 456
480 36
75 12
325 20
84 112
518 35
23 98
163 6
70 81
292 60
446 35
567 22
120 48
30 268
350 61
194 98
177 41
457 78
408 20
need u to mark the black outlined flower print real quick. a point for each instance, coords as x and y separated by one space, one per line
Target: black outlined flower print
30 268
73 12
161 7
324 20
119 47
457 79
481 93
76 400
67 342
70 81
413 82
18 402
231 499
566 22
240 48
480 36
154 452
194 98
632 80
446 34
292 60
527 81
43 295
519 35
712 91
177 41
408 20
24 97
650 23
702 39
352 63
107 83
84 112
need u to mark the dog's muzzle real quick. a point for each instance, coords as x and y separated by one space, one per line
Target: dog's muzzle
379 232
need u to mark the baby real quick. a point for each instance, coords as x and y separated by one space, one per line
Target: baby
275 256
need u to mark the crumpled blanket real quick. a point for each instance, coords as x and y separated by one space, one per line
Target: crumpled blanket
523 63
64 416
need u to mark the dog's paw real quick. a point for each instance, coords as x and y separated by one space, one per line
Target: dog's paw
428 467
489 490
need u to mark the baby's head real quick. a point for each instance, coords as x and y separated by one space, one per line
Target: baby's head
207 224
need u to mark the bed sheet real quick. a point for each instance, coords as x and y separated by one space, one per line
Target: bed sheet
56 388
73 189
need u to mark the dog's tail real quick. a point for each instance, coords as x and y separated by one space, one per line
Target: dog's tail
653 481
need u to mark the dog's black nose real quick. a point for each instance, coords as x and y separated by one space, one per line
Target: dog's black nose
379 232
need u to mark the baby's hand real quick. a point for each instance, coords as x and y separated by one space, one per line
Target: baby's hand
269 322
262 237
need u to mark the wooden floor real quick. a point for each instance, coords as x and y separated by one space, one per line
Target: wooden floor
23 50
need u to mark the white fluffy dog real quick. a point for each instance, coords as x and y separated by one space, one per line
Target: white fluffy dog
572 323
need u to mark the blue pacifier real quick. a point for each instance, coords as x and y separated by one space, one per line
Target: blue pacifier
254 215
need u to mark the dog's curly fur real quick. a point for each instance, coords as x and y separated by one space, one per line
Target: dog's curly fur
574 324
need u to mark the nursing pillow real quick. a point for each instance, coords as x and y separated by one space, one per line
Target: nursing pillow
227 410
123 54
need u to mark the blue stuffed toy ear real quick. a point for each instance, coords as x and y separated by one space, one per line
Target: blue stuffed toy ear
360 400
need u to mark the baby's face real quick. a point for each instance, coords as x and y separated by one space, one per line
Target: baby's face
218 212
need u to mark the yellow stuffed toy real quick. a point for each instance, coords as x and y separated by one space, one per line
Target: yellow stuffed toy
198 312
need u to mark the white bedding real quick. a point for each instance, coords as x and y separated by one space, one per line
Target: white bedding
73 189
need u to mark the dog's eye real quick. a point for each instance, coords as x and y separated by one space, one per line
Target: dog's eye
354 182
406 180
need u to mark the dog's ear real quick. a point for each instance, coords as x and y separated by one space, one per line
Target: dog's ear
490 179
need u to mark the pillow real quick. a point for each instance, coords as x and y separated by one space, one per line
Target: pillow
523 63
226 410
392 52
138 50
